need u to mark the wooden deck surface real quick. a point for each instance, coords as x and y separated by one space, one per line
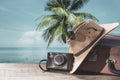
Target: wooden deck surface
15 71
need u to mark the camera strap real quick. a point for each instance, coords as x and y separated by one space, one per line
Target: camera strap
44 60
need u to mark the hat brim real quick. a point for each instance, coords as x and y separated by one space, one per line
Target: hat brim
79 59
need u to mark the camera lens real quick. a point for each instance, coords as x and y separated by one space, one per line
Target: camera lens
59 59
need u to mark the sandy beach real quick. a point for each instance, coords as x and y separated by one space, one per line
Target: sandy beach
20 71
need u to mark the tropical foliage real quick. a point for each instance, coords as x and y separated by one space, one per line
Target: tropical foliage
64 15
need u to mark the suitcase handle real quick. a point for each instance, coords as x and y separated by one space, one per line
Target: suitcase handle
111 66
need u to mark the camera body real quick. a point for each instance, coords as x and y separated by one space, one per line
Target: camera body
60 61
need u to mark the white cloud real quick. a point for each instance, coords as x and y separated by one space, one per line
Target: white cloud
32 38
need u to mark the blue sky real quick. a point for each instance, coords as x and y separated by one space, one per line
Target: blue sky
18 20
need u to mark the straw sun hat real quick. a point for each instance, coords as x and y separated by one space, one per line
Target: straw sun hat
84 37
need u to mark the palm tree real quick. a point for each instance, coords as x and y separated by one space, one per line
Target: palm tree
62 19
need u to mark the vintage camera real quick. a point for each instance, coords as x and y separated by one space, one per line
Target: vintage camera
60 61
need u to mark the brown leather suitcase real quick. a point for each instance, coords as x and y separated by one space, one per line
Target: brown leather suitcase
104 57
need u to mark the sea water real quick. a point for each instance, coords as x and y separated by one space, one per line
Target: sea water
26 54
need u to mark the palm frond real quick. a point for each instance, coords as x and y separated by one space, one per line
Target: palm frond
51 4
48 20
85 15
57 3
77 4
64 29
59 38
60 11
54 4
51 39
73 19
49 33
66 3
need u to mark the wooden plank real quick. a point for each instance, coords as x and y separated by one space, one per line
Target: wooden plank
20 71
